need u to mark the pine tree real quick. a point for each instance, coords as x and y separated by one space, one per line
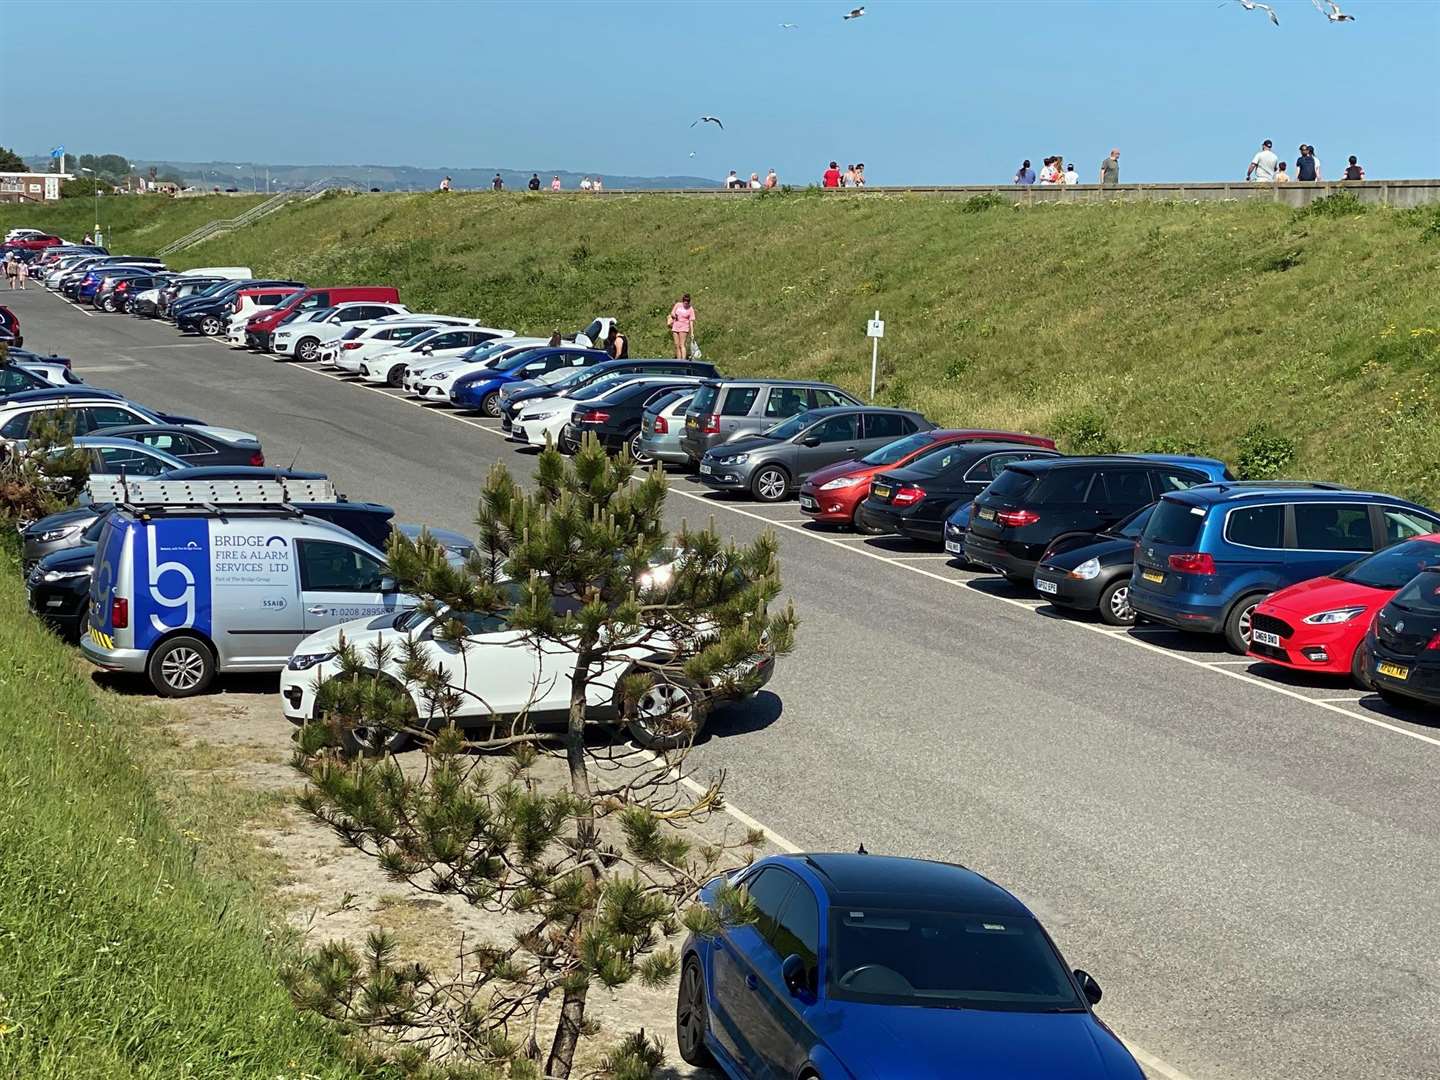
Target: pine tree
46 472
606 867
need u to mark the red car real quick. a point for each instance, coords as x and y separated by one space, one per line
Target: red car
834 494
10 323
34 243
1318 624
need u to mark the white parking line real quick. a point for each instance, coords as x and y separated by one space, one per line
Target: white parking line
921 558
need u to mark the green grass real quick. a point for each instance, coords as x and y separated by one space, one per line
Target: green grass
132 224
125 951
1139 326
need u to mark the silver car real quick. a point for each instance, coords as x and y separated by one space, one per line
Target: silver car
662 425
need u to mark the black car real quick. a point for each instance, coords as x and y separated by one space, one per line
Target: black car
512 402
914 501
114 295
1400 656
59 584
183 287
615 418
209 312
197 446
1090 571
1033 502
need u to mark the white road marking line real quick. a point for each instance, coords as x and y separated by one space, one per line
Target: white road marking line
1240 663
919 558
1349 700
1152 1063
181 345
77 307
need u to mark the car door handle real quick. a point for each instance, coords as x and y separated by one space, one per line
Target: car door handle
849 449
315 610
751 982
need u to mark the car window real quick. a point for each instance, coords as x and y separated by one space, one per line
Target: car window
1255 526
1422 594
335 567
1332 527
19 379
825 397
738 401
1392 567
160 440
994 465
798 931
884 425
1062 486
941 461
1168 480
16 426
98 416
1401 524
1127 487
1174 523
786 401
768 889
135 462
835 429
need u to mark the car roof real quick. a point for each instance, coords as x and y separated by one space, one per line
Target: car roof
1278 490
121 431
242 472
981 447
822 411
887 881
1069 461
56 393
721 381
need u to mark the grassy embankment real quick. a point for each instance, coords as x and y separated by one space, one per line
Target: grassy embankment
128 945
131 224
1135 326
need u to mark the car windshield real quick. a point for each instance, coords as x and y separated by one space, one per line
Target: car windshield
1175 523
418 341
890 453
947 960
665 400
91 534
559 375
1012 484
1133 526
484 351
1422 594
1392 567
515 360
601 386
788 429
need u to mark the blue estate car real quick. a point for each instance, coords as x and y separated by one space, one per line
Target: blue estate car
1210 554
865 966
481 389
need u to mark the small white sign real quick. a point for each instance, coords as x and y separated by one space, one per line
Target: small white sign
875 328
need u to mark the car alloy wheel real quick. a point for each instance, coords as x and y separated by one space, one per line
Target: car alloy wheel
395 376
211 326
181 667
307 350
1115 606
692 1017
490 406
666 716
108 304
638 455
770 484
1237 623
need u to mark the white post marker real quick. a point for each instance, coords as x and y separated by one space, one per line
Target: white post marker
874 330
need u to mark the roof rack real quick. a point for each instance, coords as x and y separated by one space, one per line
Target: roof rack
209 492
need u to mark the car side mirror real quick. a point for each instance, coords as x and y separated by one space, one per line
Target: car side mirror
811 440
1088 986
388 585
426 350
792 973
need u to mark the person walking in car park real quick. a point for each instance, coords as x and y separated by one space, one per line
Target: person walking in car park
10 268
1110 170
555 184
22 268
1353 171
534 181
832 176
1281 176
1262 165
1025 175
682 326
1307 167
497 184
619 347
771 180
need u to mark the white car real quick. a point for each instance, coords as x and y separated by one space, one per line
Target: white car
498 674
302 339
377 335
388 368
433 381
542 418
252 302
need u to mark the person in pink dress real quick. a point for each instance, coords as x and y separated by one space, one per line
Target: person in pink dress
682 325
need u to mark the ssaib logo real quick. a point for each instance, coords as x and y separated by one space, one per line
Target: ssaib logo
186 597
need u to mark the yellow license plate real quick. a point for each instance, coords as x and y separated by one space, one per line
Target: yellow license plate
880 491
1152 575
1395 671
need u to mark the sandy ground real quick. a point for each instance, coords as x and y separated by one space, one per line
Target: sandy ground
329 891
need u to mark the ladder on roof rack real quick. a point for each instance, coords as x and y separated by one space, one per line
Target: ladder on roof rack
216 492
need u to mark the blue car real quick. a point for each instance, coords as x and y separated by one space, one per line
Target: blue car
866 966
481 389
1210 554
959 520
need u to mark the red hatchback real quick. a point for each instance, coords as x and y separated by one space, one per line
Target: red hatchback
1318 624
834 494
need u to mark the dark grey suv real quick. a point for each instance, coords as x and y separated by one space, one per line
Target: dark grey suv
726 409
774 463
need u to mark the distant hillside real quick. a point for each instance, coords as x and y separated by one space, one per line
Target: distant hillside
1307 341
247 177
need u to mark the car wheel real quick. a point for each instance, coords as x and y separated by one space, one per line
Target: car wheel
692 1016
107 304
667 716
181 667
1237 623
211 326
395 376
368 741
490 405
1357 669
1115 609
770 484
637 455
307 349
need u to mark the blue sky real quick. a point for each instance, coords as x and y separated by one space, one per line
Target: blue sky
922 92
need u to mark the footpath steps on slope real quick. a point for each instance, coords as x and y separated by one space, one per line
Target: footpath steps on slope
255 213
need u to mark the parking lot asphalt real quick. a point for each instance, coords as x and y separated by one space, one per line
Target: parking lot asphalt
1247 862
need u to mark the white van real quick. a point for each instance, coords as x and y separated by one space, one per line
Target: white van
231 273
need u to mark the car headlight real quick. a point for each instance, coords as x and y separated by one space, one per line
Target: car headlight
444 376
305 661
1087 570
1334 615
733 459
842 482
49 536
67 575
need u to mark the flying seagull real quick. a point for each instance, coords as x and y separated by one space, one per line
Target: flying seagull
789 26
1251 5
709 120
855 13
1334 14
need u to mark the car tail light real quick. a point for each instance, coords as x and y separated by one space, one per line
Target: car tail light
122 286
592 416
350 345
710 424
257 459
1434 641
1016 518
119 613
1192 562
662 426
907 495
